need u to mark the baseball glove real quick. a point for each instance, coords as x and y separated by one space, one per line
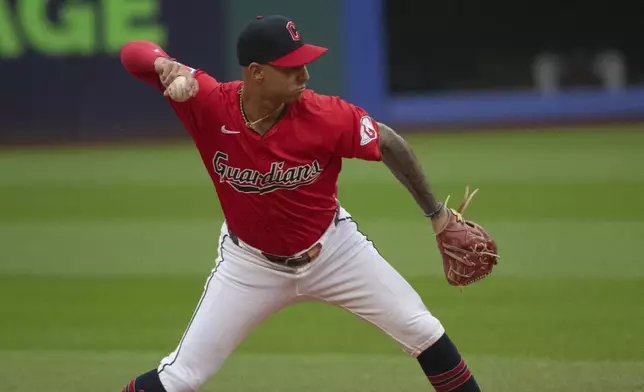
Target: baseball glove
469 253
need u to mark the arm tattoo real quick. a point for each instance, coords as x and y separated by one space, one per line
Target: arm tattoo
404 165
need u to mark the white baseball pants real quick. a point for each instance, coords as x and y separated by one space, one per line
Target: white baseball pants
244 288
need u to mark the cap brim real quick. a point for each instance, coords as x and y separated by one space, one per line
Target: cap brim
301 56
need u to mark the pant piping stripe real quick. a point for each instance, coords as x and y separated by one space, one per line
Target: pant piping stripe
221 260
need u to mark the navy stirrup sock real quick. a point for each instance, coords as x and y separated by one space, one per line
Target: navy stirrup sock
148 382
445 369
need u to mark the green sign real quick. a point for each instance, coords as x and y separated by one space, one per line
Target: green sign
81 29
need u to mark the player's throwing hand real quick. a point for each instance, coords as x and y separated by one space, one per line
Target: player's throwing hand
178 80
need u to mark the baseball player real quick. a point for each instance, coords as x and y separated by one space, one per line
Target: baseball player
274 150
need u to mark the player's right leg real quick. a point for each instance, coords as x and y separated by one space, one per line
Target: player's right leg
239 294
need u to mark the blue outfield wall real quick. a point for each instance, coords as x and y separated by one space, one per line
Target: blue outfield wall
365 84
64 81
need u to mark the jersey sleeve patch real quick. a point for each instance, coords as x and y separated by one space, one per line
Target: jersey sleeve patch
367 131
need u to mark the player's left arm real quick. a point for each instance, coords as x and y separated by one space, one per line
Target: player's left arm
399 157
364 138
467 250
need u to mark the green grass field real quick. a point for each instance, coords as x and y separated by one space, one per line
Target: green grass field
104 253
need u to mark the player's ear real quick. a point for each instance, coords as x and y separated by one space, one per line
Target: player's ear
256 72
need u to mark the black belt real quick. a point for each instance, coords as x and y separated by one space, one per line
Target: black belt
293 261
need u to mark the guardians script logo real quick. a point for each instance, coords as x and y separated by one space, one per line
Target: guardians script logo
253 181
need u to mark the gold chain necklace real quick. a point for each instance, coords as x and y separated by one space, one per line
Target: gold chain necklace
248 123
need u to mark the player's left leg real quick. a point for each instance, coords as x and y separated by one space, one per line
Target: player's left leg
357 278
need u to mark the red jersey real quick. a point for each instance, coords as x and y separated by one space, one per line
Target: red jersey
277 191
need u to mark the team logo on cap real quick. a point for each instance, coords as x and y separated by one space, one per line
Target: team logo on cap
290 26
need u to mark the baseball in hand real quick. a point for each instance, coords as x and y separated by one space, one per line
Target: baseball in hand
181 89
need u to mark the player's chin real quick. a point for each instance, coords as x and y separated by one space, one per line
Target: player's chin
294 96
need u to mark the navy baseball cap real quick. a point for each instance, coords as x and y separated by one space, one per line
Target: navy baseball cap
275 40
